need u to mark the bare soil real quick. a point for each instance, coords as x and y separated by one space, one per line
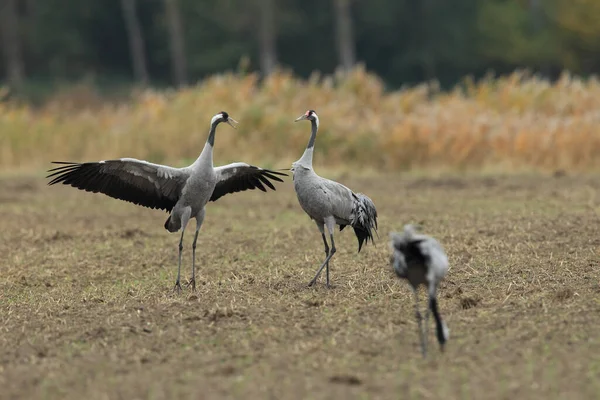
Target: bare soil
87 308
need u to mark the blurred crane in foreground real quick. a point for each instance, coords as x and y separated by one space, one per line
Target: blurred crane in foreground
329 203
421 260
183 192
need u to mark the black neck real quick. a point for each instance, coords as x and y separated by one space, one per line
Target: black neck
211 134
438 320
313 135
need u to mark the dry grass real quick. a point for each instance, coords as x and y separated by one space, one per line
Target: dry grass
515 122
86 308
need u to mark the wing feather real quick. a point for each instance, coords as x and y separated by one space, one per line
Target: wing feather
238 177
340 199
136 181
267 182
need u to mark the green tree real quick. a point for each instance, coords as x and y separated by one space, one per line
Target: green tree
136 41
11 43
511 35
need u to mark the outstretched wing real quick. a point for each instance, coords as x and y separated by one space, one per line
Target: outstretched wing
136 181
239 176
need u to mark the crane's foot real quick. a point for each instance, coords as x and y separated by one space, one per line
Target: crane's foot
177 287
192 283
312 283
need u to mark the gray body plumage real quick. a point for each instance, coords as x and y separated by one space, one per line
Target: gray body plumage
322 198
421 260
195 192
330 203
183 192
418 258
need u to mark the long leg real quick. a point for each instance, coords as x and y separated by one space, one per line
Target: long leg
441 329
321 227
178 281
426 327
312 282
431 289
326 255
199 220
185 217
330 223
422 336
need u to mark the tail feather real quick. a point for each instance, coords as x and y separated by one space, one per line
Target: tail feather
364 219
362 236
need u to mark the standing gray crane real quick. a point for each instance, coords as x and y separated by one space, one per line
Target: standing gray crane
421 260
183 192
329 203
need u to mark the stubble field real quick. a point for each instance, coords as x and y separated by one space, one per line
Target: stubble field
87 308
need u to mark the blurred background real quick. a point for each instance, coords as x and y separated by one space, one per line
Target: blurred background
398 84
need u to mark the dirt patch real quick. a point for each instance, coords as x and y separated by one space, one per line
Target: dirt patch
564 294
131 233
345 380
87 307
439 183
469 302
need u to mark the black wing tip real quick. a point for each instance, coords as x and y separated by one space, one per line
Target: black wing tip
258 179
270 176
276 172
88 176
266 181
61 172
274 178
258 184
64 167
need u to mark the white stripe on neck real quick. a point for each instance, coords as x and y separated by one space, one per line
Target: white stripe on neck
215 118
316 119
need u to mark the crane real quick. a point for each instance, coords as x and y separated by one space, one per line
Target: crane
183 192
328 202
421 260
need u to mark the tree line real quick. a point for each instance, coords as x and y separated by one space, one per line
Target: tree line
177 42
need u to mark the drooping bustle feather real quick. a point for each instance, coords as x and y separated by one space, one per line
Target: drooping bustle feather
363 218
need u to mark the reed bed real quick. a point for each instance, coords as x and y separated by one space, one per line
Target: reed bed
516 122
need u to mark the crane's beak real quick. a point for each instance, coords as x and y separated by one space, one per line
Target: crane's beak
232 122
300 118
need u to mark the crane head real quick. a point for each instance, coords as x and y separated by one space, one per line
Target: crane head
223 116
310 115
